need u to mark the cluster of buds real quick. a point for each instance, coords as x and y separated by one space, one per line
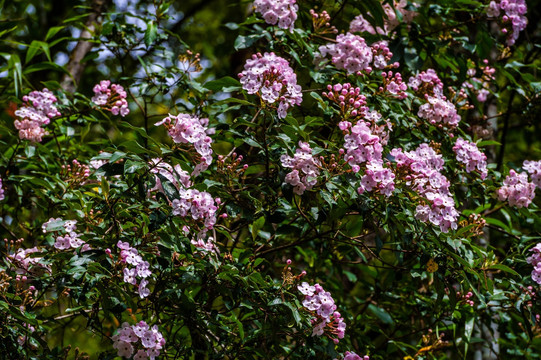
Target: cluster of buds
335 164
111 97
191 61
350 101
382 55
465 298
75 173
393 84
231 165
321 23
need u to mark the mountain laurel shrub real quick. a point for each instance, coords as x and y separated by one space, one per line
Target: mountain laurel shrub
271 180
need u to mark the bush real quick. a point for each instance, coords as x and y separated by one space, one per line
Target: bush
276 180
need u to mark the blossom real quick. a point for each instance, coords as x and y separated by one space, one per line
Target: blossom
141 269
37 110
111 97
517 190
438 110
66 236
393 84
535 261
423 167
321 304
281 12
200 205
270 77
513 19
350 101
350 52
141 338
24 262
534 169
175 175
377 177
188 129
427 82
305 168
468 154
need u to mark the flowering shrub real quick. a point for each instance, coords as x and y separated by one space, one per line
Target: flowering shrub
275 179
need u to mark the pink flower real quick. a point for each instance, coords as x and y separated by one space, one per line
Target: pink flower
270 77
517 190
305 168
36 112
281 12
350 53
188 129
468 154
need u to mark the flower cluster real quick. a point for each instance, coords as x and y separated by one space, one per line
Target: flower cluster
535 261
305 168
427 82
24 262
349 355
377 177
423 168
270 77
148 341
393 84
188 129
349 52
468 154
141 269
199 204
513 18
439 111
111 97
321 304
175 175
351 102
65 234
2 196
281 12
361 144
534 169
517 190
37 111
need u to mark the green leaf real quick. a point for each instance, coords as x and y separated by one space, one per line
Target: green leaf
151 33
257 226
224 84
505 268
131 166
33 49
381 314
